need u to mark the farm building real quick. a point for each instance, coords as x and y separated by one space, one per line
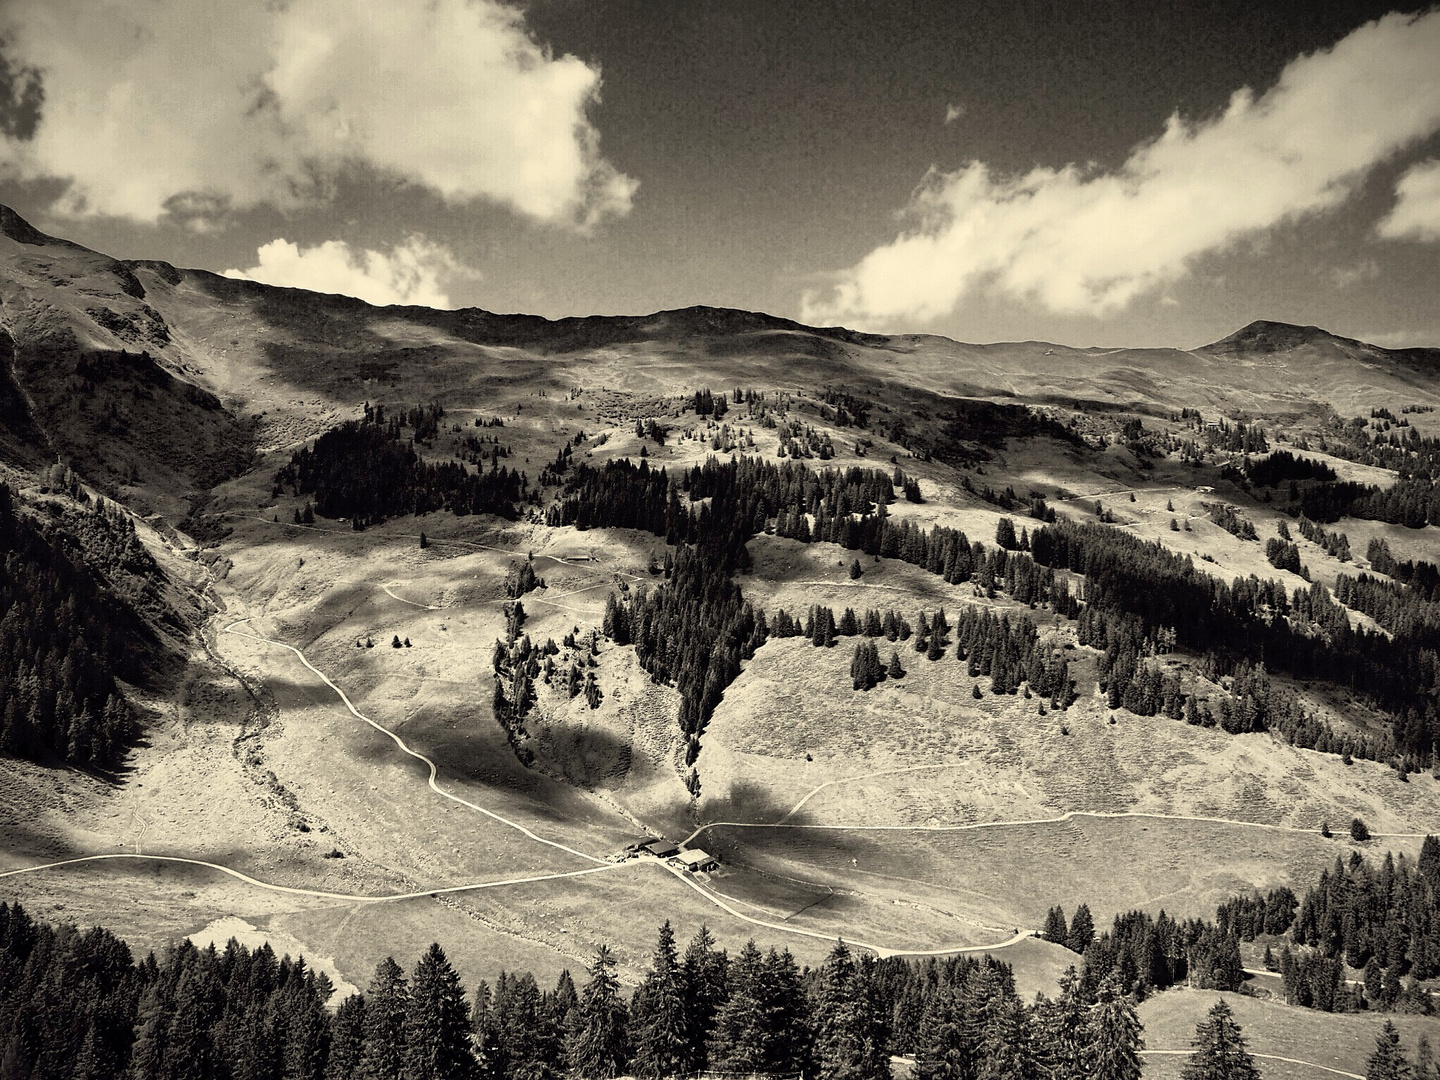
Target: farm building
663 849
697 860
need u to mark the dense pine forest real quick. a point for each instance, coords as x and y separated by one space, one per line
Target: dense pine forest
365 471
65 636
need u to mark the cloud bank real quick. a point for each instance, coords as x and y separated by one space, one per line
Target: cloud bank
1082 242
150 105
1417 205
410 274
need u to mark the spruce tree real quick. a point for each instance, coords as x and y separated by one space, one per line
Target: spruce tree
1055 929
384 1023
596 1049
848 1038
658 1020
1082 930
437 1022
739 1041
1062 1031
1388 1061
703 975
1116 1040
1219 1049
941 1052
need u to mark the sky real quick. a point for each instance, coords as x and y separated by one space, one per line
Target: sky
1144 173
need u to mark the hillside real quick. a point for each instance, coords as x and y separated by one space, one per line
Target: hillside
436 639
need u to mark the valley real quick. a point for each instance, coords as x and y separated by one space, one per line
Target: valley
374 729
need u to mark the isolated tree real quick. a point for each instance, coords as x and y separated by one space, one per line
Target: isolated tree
386 1002
395 642
1220 1052
596 1049
894 671
855 570
424 543
1388 1062
437 1022
1359 831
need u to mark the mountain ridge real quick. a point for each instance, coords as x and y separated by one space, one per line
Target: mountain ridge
141 373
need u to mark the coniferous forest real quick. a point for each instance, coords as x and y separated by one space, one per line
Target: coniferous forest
1141 599
64 638
363 470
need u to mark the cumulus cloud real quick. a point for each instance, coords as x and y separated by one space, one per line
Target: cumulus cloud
410 274
953 112
238 103
1416 215
1082 241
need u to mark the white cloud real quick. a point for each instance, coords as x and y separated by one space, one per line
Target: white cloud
410 274
1079 241
1416 215
249 102
953 112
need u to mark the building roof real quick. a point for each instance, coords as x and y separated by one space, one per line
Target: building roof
696 857
662 848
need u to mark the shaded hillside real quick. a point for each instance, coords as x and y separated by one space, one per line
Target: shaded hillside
90 376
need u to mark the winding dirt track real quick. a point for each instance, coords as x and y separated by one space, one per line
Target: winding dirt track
603 865
297 891
1265 1057
1069 815
407 750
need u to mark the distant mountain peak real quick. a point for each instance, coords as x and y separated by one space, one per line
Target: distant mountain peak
21 231
1266 335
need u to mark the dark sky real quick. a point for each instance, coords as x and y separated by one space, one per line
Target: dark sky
776 145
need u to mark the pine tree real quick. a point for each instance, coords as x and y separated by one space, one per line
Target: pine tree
658 1015
1219 1049
346 1040
1116 1039
848 1039
1055 929
1388 1061
894 671
383 1025
596 1049
1063 1032
437 1022
703 976
1082 930
740 1040
787 1050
